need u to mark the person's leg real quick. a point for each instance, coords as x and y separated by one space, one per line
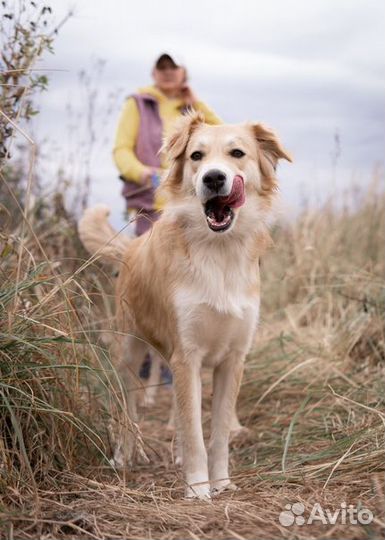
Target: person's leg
145 369
153 379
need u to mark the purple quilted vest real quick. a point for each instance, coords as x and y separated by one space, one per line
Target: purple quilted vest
148 144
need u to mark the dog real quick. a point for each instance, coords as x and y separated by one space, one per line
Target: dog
190 287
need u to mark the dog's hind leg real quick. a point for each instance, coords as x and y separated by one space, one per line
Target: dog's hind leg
172 418
172 427
132 355
237 430
129 355
227 380
235 424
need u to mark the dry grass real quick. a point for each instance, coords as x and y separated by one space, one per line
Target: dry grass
312 396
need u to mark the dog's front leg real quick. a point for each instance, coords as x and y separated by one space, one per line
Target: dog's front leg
227 380
188 393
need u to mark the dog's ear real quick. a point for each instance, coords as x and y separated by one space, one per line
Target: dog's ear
174 148
175 144
270 150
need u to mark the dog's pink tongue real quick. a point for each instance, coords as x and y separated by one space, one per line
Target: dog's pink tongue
237 196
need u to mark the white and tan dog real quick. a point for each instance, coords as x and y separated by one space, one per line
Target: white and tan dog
190 287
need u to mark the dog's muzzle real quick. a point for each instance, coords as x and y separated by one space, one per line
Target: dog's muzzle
219 209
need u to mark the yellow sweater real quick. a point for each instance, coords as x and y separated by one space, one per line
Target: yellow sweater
128 127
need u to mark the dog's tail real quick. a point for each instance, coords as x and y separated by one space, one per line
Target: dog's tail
99 237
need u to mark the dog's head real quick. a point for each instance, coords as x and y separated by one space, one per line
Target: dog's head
221 174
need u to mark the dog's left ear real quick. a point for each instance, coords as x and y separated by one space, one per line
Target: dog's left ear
270 150
174 148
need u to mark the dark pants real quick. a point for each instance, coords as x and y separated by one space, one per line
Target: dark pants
137 196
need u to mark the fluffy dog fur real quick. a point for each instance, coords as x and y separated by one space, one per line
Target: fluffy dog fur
193 293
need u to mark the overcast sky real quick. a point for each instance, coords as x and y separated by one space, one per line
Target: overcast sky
309 69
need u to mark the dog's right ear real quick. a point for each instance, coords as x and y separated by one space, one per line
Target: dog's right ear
174 148
175 144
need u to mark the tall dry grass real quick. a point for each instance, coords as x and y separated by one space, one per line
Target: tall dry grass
57 385
312 396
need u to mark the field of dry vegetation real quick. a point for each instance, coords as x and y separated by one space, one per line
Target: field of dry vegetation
312 397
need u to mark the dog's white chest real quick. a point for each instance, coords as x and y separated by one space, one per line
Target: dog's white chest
216 297
215 317
212 334
216 303
220 281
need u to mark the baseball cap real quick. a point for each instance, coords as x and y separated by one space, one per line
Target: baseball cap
165 59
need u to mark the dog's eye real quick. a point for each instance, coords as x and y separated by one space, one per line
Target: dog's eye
237 153
196 156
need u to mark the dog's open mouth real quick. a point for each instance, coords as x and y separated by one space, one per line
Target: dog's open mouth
219 210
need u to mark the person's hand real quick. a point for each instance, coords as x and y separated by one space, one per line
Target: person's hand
188 95
146 177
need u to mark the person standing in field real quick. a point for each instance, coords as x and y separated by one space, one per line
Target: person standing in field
146 117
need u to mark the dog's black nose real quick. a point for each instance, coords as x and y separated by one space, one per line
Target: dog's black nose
214 180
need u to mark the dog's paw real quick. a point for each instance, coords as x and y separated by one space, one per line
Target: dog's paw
178 461
193 496
142 458
148 400
127 454
220 486
198 491
170 427
240 433
120 460
115 463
